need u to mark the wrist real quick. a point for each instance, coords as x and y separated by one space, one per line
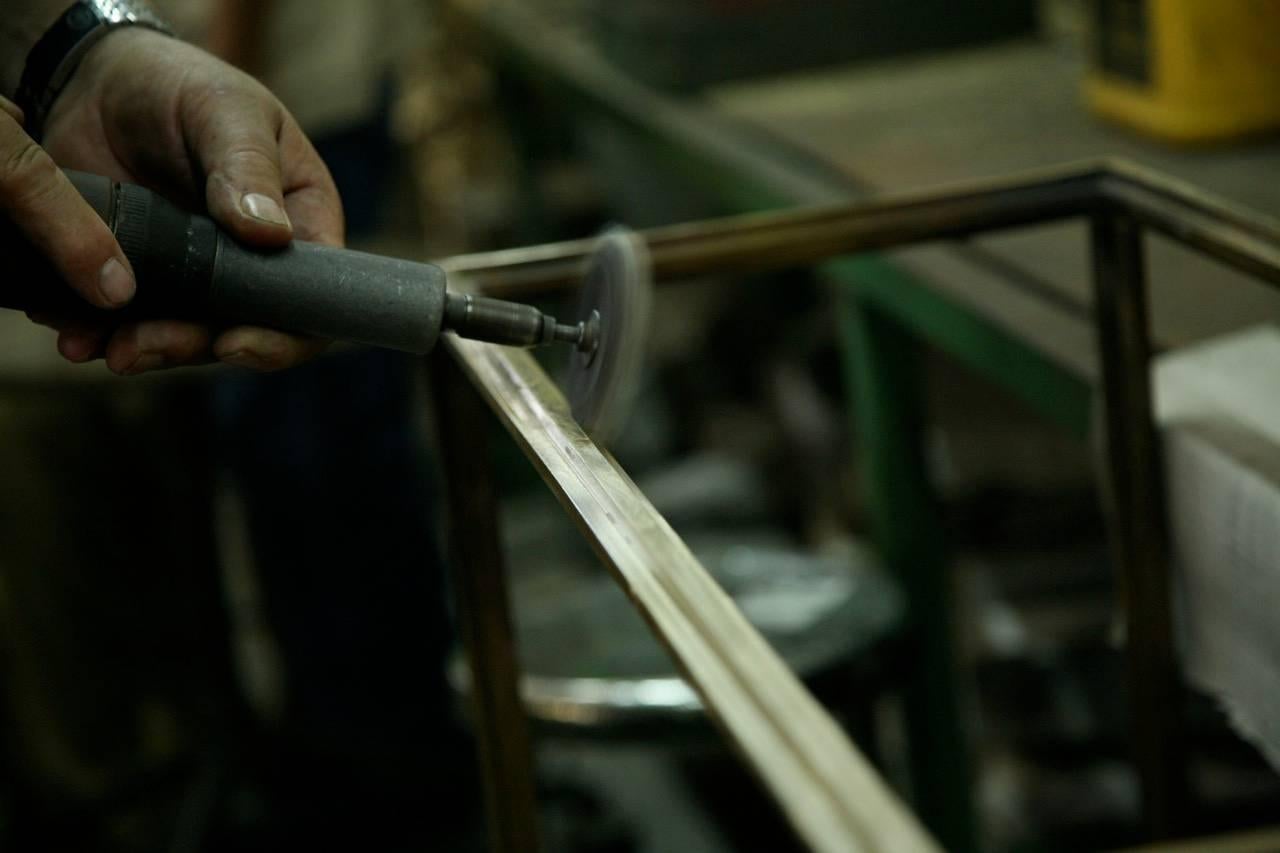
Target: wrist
108 76
58 53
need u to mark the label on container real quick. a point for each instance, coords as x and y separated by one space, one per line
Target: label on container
1122 39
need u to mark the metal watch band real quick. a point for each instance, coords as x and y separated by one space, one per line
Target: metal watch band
55 57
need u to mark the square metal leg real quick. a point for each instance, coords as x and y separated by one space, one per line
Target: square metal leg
885 391
480 583
1138 521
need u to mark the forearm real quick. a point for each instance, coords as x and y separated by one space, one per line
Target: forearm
22 24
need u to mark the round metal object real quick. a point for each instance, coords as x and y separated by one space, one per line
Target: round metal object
617 297
590 665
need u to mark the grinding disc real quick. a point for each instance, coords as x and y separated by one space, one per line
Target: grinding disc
618 287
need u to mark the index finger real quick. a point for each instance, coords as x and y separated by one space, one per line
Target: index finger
12 109
44 205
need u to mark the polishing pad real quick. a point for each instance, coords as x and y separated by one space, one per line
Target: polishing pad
617 294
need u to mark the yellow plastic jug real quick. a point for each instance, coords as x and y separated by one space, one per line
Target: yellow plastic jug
1187 70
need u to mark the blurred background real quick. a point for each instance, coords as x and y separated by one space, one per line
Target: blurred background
224 616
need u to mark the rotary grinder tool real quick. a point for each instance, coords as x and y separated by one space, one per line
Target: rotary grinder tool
187 268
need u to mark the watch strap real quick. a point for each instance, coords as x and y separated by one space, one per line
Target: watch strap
57 54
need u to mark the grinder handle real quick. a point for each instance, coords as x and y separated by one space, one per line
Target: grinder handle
187 268
155 235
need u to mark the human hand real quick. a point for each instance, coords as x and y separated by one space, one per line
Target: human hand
151 110
42 203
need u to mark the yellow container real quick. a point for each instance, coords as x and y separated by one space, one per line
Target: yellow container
1187 70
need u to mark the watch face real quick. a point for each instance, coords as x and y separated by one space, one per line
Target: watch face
81 17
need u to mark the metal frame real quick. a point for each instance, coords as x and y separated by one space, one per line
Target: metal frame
833 798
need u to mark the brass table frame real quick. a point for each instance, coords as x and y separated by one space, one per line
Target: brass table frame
833 798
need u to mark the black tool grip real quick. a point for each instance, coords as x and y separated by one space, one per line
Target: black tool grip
172 253
187 269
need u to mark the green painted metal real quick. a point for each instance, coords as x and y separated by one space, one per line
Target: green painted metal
884 312
882 373
1056 394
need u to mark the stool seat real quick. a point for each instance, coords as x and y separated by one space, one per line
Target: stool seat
591 664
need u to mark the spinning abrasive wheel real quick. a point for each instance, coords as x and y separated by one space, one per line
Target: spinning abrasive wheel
616 300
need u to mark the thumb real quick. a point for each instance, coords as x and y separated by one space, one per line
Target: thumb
42 203
239 150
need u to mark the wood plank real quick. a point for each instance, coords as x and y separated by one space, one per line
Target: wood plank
833 797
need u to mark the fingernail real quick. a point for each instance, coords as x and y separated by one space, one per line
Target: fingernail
265 209
115 283
246 359
144 362
75 348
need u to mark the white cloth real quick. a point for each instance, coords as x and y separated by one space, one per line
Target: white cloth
1218 407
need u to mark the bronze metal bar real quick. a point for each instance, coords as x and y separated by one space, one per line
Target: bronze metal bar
1245 240
833 797
1134 492
759 242
479 580
583 78
768 241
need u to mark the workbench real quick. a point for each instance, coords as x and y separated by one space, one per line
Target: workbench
1015 307
997 111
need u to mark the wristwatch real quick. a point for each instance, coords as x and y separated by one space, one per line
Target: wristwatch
55 57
